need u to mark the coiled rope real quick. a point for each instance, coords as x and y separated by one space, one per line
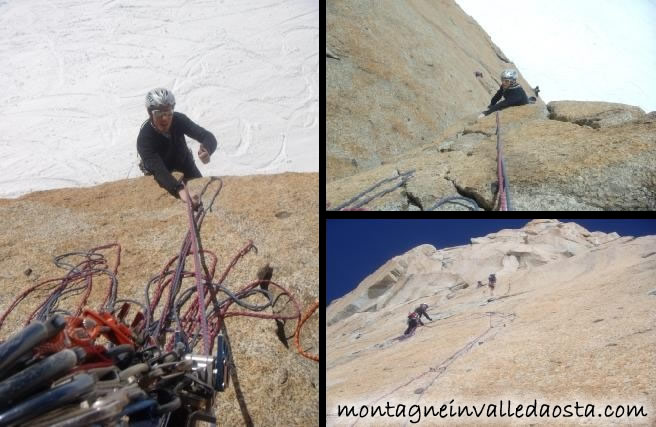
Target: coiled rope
454 199
297 334
205 313
404 178
79 280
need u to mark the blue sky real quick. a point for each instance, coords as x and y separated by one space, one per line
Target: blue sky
356 248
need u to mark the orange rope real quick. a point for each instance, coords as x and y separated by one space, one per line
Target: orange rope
307 314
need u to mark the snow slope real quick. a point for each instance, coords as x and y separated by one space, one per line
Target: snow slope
75 73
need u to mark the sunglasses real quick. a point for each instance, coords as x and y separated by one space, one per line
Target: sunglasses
158 114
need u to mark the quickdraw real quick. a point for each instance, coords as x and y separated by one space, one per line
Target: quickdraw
84 366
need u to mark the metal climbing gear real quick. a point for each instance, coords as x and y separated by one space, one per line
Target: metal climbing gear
96 367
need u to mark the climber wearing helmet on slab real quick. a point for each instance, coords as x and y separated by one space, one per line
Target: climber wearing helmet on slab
413 322
421 311
510 90
162 146
492 281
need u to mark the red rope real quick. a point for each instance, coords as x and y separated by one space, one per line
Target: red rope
200 288
80 273
501 195
306 316
195 317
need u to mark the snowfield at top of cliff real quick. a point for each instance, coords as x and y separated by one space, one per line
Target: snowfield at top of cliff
75 76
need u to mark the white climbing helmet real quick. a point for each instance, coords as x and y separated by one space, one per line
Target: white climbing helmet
509 74
159 97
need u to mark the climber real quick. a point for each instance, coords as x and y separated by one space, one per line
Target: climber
413 321
510 90
421 310
492 281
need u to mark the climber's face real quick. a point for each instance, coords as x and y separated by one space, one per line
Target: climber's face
162 118
506 83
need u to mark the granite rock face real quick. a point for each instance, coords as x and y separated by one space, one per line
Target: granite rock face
398 74
550 165
594 114
571 318
405 83
150 225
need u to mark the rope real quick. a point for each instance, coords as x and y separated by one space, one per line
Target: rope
306 316
78 280
404 178
503 195
199 285
451 199
502 198
205 313
174 288
439 369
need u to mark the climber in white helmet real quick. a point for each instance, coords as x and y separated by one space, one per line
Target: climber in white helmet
510 90
162 146
421 311
491 282
413 322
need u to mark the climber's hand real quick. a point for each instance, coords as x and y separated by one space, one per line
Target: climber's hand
195 199
203 154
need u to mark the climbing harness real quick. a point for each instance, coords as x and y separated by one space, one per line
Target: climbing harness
503 194
404 178
79 366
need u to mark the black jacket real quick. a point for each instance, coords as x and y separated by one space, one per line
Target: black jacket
420 311
163 154
412 324
512 96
